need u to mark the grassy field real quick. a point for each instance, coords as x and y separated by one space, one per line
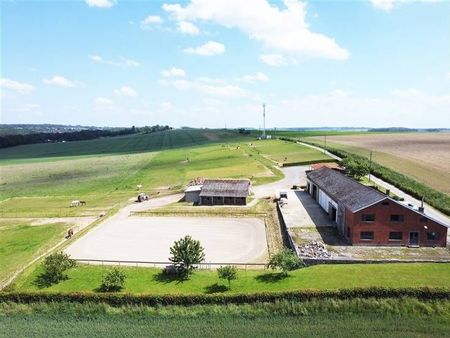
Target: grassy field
318 318
20 242
422 156
287 152
150 280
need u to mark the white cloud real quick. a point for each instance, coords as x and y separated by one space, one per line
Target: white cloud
19 87
28 107
389 5
100 3
123 62
103 103
59 81
406 92
173 72
255 78
225 90
151 20
186 27
126 91
274 60
448 75
208 49
282 29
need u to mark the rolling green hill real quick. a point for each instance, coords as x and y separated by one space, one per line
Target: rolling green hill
122 144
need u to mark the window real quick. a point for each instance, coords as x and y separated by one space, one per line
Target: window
366 235
397 218
385 203
432 236
396 236
423 220
368 218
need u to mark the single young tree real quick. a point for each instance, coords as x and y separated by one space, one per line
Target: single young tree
55 265
113 280
227 272
286 260
186 252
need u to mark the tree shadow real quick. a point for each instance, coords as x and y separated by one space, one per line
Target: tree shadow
44 281
165 278
271 277
215 288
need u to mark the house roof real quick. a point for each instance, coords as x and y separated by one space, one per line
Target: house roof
193 188
345 190
225 188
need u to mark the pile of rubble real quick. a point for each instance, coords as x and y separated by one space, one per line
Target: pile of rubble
314 250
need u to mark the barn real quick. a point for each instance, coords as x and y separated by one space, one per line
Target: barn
192 193
365 216
225 192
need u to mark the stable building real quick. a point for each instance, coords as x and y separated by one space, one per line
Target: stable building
224 192
365 216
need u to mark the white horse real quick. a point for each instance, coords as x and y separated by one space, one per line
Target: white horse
75 203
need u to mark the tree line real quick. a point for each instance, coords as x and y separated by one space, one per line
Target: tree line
89 134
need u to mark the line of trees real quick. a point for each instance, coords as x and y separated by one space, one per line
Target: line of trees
88 134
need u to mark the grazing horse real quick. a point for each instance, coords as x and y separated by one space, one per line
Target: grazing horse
75 203
82 202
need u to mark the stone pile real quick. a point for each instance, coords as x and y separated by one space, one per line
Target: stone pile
314 249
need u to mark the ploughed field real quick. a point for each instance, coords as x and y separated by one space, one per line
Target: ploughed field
422 156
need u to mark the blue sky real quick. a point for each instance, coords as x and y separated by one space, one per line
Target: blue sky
211 63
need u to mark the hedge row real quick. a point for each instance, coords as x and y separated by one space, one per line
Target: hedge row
291 164
117 299
435 198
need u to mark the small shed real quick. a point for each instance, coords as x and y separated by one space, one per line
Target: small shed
192 193
225 192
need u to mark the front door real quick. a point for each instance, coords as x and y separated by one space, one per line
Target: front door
414 238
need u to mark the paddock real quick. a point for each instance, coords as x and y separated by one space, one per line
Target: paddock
136 238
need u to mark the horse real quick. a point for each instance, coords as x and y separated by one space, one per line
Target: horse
82 202
75 203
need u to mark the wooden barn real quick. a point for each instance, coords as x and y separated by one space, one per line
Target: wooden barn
225 192
365 216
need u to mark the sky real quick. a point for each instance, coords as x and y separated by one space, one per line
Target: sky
212 63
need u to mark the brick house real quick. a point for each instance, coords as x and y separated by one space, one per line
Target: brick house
365 216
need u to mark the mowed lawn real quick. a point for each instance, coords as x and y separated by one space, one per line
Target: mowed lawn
288 152
20 242
150 280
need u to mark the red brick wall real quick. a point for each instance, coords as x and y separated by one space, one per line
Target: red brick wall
383 225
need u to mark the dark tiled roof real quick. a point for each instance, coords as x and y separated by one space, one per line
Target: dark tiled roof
345 190
226 188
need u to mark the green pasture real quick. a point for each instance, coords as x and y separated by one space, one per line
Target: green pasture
317 318
287 152
87 278
20 242
135 143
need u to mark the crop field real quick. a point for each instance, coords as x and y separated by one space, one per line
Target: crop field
317 318
150 280
21 240
288 152
422 156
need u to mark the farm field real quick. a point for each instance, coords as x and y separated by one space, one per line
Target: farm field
87 278
21 240
288 152
422 156
319 318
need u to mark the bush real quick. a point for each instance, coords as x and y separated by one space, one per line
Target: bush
113 281
54 267
286 260
117 299
227 272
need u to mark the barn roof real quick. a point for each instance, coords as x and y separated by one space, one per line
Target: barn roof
343 189
225 188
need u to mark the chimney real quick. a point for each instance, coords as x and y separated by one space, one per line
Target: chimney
421 208
388 192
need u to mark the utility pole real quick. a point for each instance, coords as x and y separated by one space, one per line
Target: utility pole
264 121
370 164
